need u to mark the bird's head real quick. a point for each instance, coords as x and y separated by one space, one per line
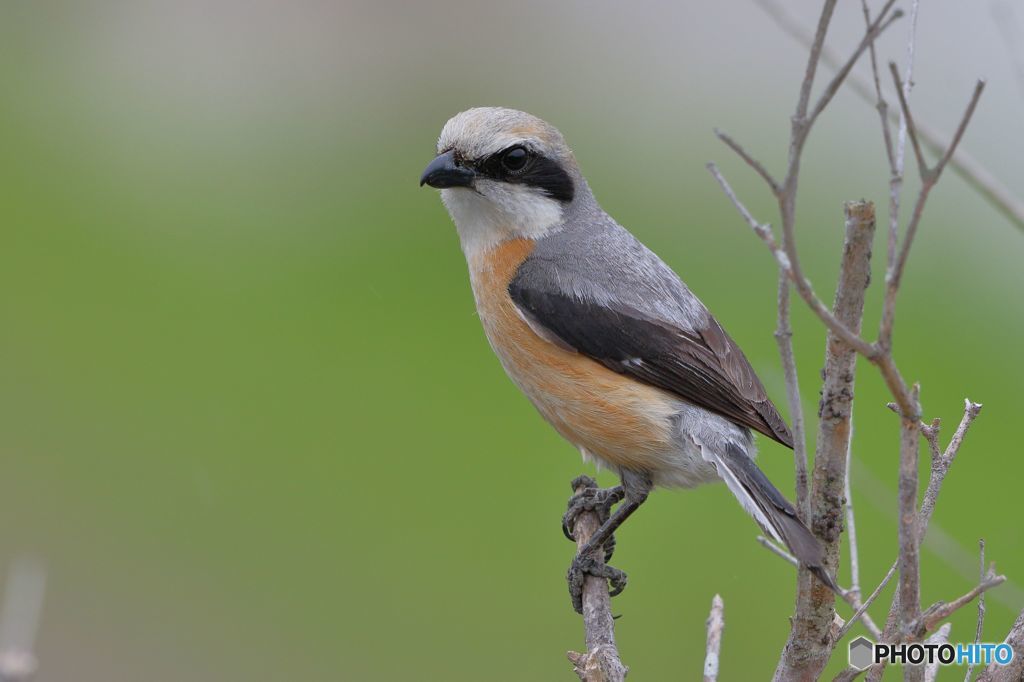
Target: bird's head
503 174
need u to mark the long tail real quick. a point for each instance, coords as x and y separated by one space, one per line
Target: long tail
770 509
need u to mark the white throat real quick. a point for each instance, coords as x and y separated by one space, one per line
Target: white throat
501 213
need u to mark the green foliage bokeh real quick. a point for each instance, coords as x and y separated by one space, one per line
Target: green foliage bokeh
251 424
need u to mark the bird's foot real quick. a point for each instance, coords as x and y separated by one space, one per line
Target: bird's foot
591 498
584 565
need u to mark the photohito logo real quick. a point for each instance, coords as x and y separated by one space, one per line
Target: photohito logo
864 653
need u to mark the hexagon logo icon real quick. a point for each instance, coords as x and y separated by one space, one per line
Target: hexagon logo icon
861 650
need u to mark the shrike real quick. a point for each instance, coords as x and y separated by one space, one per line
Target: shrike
605 340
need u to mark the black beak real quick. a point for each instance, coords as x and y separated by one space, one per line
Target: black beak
444 172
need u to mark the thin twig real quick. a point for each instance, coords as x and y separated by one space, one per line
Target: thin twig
849 596
715 625
895 159
907 121
861 613
848 674
930 432
939 469
941 636
881 105
800 130
775 549
981 607
784 341
814 629
904 87
784 259
929 178
1015 670
875 29
909 541
963 163
19 619
815 56
750 160
762 230
940 611
941 465
851 526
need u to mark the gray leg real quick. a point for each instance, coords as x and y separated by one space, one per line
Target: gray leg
591 498
633 491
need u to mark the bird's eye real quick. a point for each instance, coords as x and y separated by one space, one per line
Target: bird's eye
515 159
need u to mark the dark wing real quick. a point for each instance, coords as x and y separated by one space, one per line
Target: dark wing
702 366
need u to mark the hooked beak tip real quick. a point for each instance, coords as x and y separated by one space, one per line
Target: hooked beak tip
444 172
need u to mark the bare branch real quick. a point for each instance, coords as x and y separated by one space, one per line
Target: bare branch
909 558
963 163
715 625
979 87
895 158
881 105
922 165
750 160
929 178
981 608
762 230
784 340
810 641
847 675
775 549
941 636
971 412
851 526
814 625
1015 670
930 432
803 287
941 464
19 619
849 596
784 259
835 412
940 611
939 470
874 30
861 613
904 88
812 61
601 663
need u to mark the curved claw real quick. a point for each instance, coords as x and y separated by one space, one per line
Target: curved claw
600 500
567 526
584 566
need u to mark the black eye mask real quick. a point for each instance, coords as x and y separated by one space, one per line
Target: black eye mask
519 165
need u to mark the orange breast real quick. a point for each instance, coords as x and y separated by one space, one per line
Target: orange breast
619 420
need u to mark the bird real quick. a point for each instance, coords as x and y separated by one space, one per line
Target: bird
604 339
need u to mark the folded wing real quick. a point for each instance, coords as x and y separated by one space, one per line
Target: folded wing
693 358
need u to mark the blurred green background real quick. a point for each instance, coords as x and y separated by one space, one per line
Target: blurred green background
248 418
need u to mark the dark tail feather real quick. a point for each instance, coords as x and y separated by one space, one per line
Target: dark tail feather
772 511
